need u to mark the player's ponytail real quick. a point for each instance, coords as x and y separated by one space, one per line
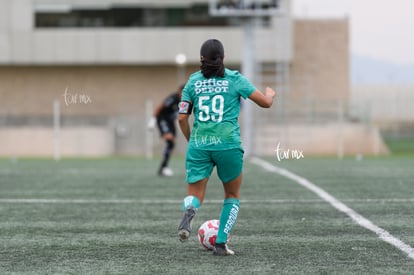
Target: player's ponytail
211 58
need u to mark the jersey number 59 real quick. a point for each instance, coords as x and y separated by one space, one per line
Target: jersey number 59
211 109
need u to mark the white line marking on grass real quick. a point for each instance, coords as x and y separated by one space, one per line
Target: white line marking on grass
90 201
170 201
362 221
143 201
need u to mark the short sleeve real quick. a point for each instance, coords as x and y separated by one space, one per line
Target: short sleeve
244 86
185 96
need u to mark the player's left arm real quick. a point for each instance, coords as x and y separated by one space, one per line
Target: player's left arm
263 100
248 90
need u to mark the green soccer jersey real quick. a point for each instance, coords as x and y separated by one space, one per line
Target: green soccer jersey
216 104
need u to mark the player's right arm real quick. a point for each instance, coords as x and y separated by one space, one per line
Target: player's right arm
184 111
184 125
263 100
185 108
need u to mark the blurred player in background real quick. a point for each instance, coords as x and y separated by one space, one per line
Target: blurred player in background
214 92
165 116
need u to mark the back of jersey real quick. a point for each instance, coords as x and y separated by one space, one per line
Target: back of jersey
216 109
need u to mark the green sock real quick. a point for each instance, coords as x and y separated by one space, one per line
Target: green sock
191 201
228 218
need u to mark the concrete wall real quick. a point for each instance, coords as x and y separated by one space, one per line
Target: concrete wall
322 139
22 43
320 67
113 90
313 115
118 93
103 108
41 141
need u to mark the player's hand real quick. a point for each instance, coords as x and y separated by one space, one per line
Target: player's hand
151 123
270 92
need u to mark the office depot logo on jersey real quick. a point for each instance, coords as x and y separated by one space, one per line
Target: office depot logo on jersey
211 86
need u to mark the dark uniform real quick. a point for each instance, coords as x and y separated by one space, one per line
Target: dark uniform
168 115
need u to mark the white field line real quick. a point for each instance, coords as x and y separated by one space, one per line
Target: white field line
362 221
170 201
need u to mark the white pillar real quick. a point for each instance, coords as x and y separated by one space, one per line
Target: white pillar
56 127
248 72
149 136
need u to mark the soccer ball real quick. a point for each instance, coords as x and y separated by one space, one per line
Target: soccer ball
207 234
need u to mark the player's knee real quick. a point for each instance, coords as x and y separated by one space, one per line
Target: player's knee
170 144
169 137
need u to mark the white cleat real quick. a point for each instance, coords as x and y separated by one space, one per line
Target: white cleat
166 172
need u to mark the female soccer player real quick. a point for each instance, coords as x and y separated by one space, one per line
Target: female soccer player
214 93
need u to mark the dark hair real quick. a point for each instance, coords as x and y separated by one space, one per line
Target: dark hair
211 57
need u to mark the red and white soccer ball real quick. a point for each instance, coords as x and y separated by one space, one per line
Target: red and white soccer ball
207 234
